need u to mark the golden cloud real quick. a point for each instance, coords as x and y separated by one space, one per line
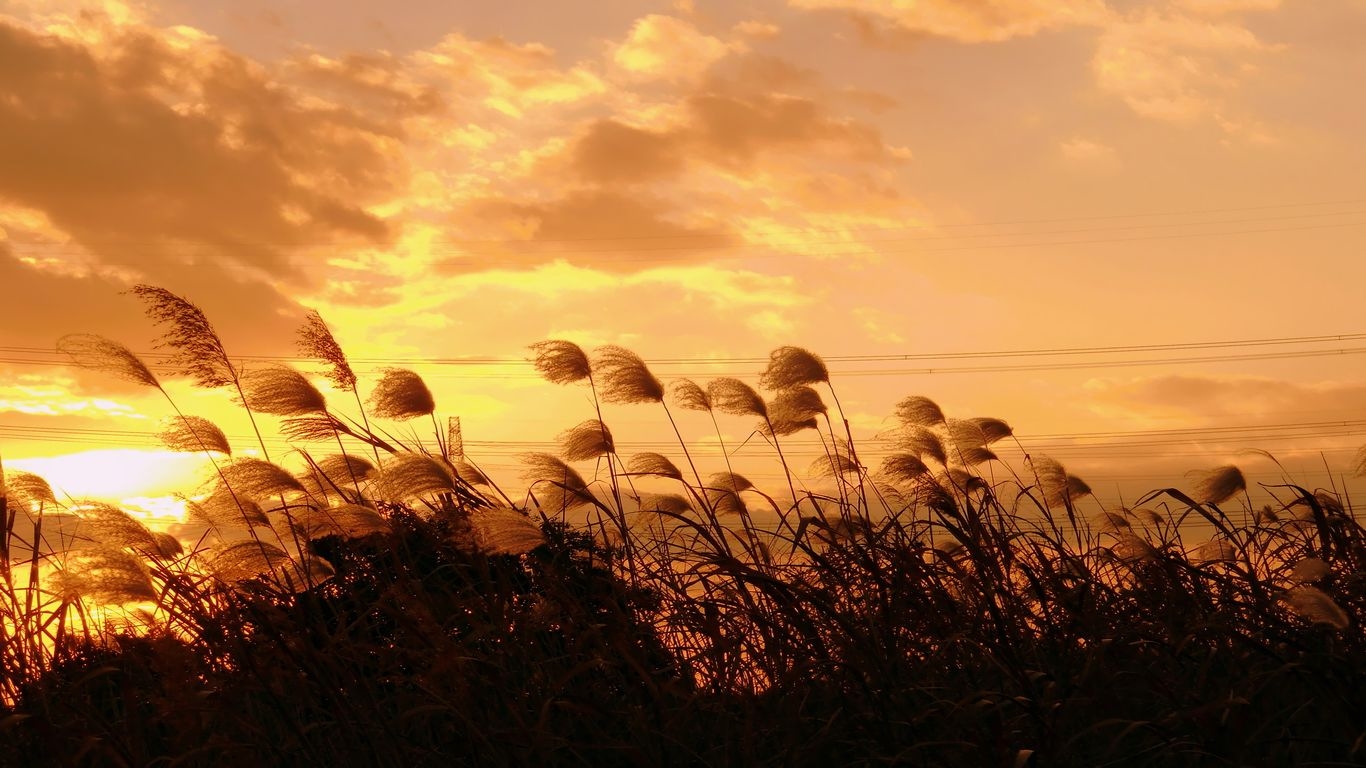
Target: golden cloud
970 21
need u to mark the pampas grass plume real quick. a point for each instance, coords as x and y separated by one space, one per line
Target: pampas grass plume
735 397
586 440
1220 484
100 354
316 341
281 391
792 367
193 433
401 395
689 396
622 376
561 362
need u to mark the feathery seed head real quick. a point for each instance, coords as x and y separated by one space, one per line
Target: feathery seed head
1220 484
316 341
735 397
281 391
991 429
256 478
561 362
793 410
100 354
971 457
193 433
792 367
1315 605
653 464
923 443
1309 569
244 560
903 468
622 377
557 486
664 502
220 511
504 531
689 396
833 465
26 489
105 576
406 476
401 395
919 411
349 521
586 440
729 481
309 429
196 350
108 526
1219 550
470 474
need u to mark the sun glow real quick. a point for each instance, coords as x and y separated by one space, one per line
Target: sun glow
116 474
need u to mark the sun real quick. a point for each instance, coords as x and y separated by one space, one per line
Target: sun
112 475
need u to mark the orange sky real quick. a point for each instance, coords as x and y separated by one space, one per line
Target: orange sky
704 180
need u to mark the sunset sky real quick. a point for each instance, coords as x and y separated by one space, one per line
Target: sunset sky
901 187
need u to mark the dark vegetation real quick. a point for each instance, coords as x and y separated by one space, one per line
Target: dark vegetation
388 605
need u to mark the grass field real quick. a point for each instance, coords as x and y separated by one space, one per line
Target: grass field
388 605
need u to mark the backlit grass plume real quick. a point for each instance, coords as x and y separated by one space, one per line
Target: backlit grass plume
407 476
401 395
1315 605
346 520
586 440
281 391
503 531
256 478
793 367
729 395
109 526
104 576
561 362
793 410
919 411
100 354
1220 484
315 340
26 489
922 443
195 349
653 464
689 396
622 377
556 484
193 433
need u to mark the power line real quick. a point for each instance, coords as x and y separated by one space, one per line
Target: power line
157 357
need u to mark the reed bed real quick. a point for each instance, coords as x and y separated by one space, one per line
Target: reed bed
385 603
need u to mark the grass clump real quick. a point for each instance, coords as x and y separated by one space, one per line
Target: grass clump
388 605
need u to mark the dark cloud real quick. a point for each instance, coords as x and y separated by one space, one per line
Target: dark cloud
38 307
610 230
145 152
610 152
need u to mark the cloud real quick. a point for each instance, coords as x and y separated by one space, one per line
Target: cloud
667 47
1175 67
1086 154
1215 399
151 146
967 21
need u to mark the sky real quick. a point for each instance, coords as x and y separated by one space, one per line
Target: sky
1133 230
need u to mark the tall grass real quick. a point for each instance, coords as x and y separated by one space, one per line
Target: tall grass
384 603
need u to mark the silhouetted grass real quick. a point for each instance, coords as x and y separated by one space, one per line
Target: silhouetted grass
405 611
